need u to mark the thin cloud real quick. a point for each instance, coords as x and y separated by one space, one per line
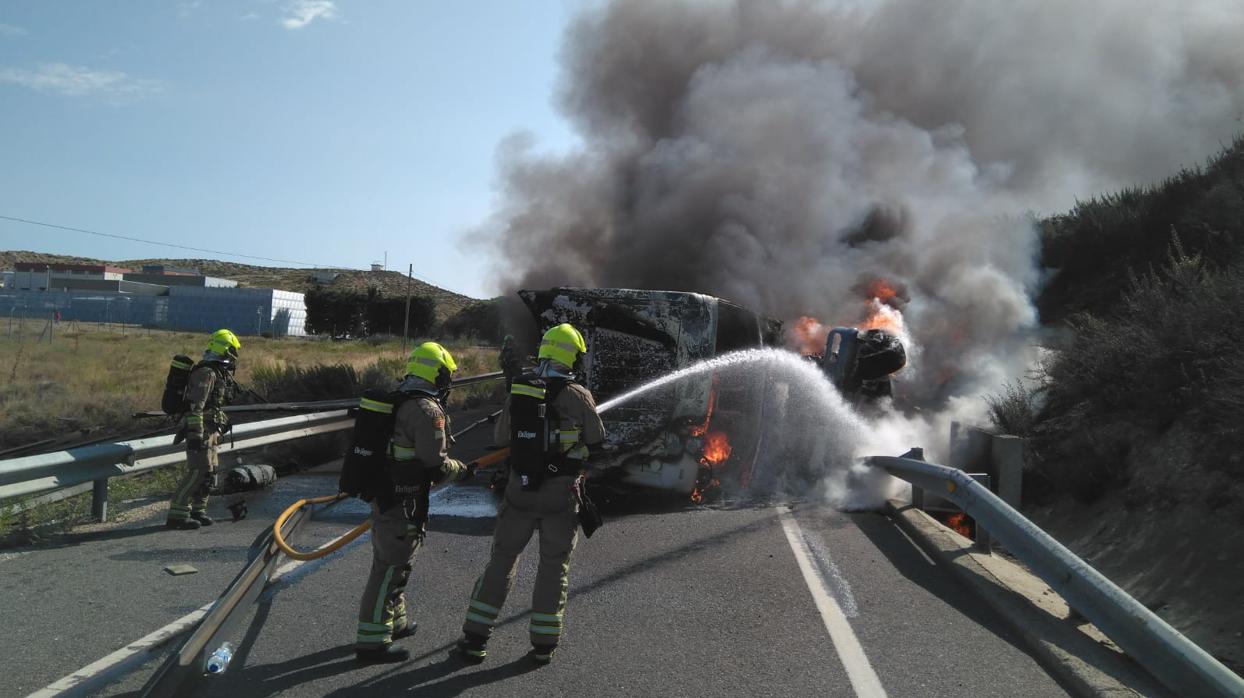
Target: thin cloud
300 13
77 81
8 30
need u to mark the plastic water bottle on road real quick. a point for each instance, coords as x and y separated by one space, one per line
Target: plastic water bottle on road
219 661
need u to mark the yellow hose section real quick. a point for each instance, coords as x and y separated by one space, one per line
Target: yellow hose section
490 459
325 550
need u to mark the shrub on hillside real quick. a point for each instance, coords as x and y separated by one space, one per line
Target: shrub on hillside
1094 246
478 322
1172 353
1014 410
341 313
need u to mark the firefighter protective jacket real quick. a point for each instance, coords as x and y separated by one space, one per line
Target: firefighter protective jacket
206 393
419 435
578 424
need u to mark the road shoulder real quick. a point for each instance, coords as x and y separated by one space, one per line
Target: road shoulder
1069 648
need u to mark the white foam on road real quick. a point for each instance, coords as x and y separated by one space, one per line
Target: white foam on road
463 502
863 678
832 576
449 500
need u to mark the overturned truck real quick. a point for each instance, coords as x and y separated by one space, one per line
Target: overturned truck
684 436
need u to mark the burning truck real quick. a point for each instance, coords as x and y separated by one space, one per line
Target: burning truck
683 436
693 434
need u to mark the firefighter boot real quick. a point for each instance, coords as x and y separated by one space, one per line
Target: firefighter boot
202 518
182 524
382 654
472 648
406 630
542 654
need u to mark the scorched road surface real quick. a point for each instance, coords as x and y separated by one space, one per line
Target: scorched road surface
695 602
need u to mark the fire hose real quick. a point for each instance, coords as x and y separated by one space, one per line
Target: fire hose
481 463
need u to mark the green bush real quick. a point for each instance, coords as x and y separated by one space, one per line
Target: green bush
1093 247
479 321
1171 354
1014 410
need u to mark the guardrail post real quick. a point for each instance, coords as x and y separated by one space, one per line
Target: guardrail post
1007 454
982 538
917 453
99 500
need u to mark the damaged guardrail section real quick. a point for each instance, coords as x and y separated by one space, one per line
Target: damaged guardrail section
1172 658
97 463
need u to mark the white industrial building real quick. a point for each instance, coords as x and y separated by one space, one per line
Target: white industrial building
246 311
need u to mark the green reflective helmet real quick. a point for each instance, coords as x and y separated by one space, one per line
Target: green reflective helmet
563 344
433 363
224 343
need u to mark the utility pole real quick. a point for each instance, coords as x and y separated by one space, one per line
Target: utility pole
410 270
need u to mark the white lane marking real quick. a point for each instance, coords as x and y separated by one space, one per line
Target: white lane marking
99 673
88 677
863 679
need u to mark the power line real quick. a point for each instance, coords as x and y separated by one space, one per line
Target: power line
164 244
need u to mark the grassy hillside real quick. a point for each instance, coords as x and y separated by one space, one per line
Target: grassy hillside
1136 451
1149 296
390 283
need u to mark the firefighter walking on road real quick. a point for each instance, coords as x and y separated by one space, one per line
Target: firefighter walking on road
549 421
209 388
414 429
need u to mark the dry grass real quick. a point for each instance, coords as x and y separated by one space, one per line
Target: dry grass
89 380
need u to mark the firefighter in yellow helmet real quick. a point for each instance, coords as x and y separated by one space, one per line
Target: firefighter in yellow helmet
549 421
210 388
417 460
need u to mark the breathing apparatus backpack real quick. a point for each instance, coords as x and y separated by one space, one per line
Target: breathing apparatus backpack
174 401
369 471
532 457
364 471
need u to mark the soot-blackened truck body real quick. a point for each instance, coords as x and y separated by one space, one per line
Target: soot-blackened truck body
634 337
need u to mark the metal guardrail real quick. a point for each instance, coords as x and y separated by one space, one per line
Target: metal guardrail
1172 658
58 471
46 472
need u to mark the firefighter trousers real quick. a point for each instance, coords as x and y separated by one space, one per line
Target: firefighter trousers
382 609
551 510
191 493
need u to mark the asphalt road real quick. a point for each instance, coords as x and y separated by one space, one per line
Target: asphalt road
688 601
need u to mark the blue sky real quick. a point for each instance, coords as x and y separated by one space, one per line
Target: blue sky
310 130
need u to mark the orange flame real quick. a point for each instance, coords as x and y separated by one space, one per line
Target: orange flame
959 524
701 429
882 290
880 316
808 335
717 448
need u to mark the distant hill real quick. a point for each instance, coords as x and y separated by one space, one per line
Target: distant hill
390 283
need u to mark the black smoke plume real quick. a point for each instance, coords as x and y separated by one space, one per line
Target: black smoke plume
784 154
